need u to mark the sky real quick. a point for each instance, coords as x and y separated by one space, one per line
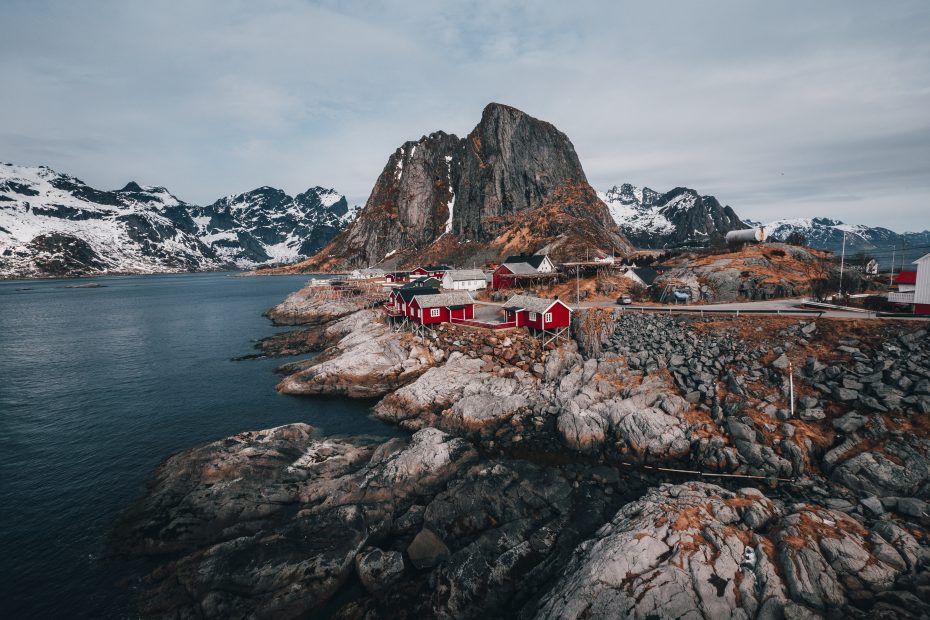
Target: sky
780 109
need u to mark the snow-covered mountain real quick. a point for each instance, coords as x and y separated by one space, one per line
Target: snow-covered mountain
827 234
268 226
53 224
678 218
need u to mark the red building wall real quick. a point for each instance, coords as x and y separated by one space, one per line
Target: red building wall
497 281
921 308
419 271
561 317
468 312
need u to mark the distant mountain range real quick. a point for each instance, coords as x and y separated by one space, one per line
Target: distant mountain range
827 234
52 224
683 218
514 184
679 218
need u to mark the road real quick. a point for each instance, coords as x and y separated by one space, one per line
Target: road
772 306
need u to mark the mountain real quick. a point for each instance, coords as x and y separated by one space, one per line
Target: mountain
881 243
268 226
678 218
53 224
514 184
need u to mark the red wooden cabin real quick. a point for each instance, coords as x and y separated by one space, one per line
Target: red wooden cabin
433 271
398 302
522 268
441 308
538 313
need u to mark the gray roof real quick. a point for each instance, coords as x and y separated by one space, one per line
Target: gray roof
444 300
465 274
532 304
521 269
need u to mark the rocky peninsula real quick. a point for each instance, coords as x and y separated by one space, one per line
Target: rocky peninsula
653 466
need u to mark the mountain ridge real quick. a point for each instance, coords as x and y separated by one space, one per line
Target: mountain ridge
54 224
680 217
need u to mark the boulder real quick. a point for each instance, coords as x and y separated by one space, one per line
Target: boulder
427 550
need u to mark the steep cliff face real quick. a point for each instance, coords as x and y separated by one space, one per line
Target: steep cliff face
409 207
511 163
513 184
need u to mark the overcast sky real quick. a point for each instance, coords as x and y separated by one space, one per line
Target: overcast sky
817 108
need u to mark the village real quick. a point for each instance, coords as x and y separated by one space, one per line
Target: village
523 291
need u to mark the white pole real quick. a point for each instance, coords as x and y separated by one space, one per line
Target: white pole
577 290
842 261
891 277
791 386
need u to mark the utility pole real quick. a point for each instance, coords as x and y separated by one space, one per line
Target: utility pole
891 277
842 262
791 386
577 290
904 252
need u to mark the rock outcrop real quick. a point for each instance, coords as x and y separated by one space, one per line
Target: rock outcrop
699 551
369 361
764 271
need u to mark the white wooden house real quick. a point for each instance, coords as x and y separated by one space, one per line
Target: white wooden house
464 280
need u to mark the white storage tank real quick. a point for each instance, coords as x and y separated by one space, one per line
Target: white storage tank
747 235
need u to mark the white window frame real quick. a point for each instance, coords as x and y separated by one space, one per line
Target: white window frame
532 316
547 317
434 312
420 313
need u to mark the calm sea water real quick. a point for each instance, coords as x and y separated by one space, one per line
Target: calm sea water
97 386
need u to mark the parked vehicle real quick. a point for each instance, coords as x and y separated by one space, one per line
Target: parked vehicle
624 300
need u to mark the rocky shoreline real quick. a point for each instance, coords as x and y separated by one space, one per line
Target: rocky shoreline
650 467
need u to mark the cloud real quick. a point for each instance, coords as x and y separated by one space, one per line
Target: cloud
775 111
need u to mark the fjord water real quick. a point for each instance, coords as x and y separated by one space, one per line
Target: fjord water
97 386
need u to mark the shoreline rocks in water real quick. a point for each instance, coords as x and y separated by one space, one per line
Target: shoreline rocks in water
526 489
309 306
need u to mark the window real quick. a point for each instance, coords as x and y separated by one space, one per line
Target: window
420 313
547 318
434 312
532 316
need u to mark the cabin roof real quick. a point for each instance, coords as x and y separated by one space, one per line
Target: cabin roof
409 293
427 281
532 304
534 260
521 269
435 267
646 274
444 300
465 274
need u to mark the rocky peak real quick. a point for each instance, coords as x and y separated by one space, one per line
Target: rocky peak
132 186
474 190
